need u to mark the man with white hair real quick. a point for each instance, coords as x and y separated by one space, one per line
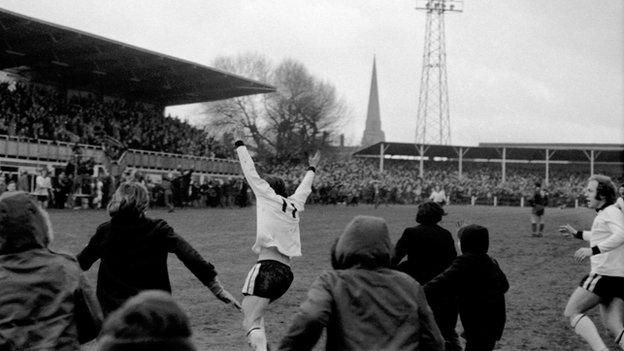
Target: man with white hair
604 285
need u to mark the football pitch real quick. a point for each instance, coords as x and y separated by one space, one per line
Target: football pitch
541 271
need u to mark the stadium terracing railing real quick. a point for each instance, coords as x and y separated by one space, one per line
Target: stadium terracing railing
40 150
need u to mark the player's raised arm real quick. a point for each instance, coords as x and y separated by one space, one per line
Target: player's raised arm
259 186
305 188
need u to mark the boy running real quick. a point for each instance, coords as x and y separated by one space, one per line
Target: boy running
277 240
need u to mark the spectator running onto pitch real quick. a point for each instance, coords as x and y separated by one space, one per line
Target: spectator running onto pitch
362 302
149 321
430 250
277 240
479 285
604 285
133 250
46 302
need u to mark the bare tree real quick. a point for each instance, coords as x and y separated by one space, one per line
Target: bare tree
245 112
300 117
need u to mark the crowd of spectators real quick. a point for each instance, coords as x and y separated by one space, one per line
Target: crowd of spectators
38 113
78 185
349 182
360 180
31 112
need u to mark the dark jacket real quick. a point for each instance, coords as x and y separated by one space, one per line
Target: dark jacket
133 254
45 300
479 285
538 202
430 250
363 304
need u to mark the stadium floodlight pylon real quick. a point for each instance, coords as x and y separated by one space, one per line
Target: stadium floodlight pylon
433 124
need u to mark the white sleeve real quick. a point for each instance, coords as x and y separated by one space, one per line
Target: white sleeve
620 204
303 190
587 235
259 186
615 221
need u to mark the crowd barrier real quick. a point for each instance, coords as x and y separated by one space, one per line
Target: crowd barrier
18 148
45 150
511 200
165 161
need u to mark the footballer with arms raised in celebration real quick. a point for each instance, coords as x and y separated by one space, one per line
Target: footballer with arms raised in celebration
277 240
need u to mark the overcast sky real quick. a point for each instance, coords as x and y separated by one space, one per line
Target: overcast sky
518 70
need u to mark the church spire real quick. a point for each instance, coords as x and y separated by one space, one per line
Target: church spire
373 133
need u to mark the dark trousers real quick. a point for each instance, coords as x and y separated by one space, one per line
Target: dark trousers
480 344
445 313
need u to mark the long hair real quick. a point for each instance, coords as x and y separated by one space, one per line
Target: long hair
130 200
429 213
606 189
277 184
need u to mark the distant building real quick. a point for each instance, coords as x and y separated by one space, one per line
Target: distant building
373 133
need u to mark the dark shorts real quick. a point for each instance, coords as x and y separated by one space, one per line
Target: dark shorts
538 210
605 286
42 198
269 279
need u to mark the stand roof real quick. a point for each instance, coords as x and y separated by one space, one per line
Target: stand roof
52 54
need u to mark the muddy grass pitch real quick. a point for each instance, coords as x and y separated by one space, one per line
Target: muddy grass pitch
541 271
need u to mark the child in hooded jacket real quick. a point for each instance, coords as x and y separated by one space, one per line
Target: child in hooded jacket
479 285
363 303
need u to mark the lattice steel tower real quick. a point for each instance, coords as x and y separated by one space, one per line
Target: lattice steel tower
433 125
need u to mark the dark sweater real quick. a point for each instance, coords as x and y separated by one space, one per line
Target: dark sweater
429 248
480 286
133 254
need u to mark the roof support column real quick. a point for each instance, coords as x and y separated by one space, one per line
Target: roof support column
421 154
591 162
592 157
503 165
547 167
460 153
461 156
381 157
549 155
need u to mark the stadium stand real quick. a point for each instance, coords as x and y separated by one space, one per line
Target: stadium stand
77 104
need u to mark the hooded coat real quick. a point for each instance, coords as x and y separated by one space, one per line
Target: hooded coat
149 321
363 304
45 300
478 283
